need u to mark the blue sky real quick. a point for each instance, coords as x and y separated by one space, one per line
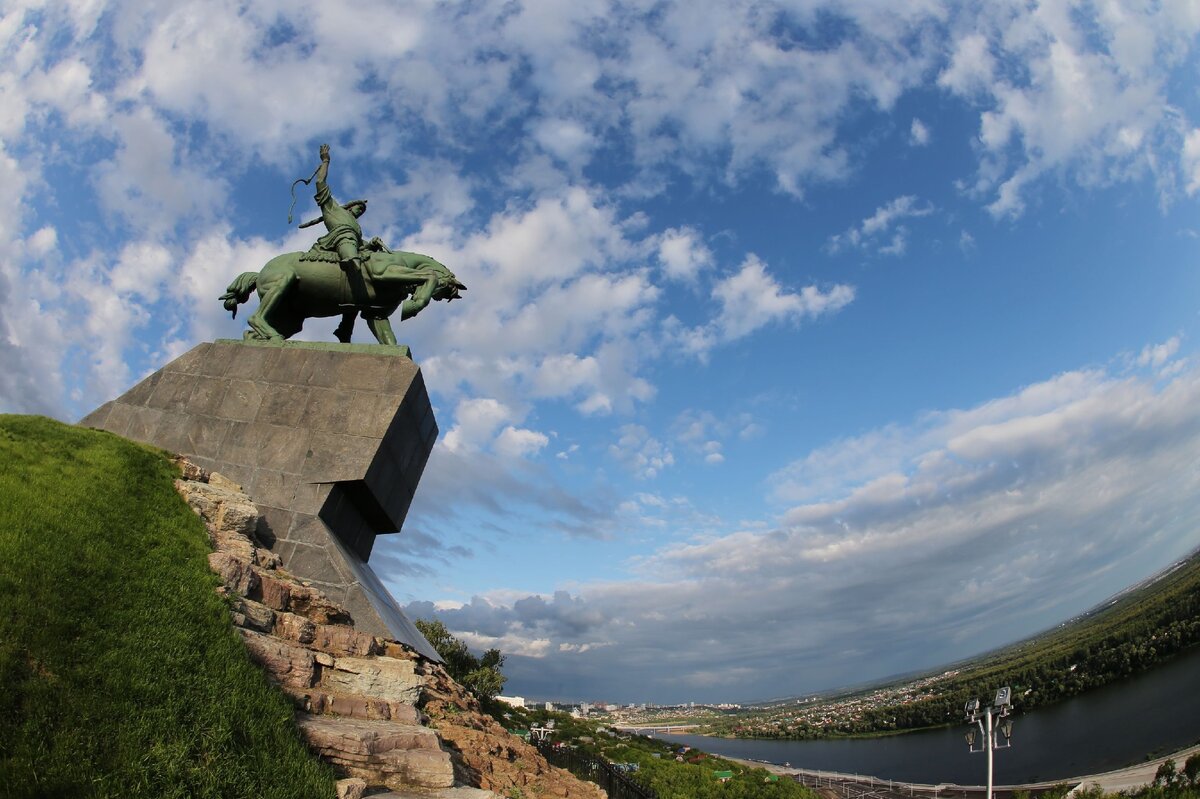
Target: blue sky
805 343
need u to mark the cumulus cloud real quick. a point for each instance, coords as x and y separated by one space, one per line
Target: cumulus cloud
1079 92
516 442
476 422
970 66
557 299
32 343
974 526
749 300
683 253
146 120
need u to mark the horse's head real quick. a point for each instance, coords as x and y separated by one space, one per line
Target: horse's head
448 288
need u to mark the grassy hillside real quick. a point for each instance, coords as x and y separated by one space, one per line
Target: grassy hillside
120 674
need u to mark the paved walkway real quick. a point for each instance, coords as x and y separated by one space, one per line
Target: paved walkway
1132 777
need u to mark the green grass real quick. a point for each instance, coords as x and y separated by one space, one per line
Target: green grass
120 672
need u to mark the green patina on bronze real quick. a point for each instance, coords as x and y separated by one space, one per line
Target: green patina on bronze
340 276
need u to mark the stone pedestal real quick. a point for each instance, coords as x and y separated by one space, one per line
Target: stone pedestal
329 440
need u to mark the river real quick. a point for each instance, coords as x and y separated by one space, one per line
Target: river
1109 728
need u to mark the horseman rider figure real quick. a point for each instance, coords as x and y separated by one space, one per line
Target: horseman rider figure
373 280
344 239
343 242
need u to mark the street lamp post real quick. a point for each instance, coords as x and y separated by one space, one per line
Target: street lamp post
988 721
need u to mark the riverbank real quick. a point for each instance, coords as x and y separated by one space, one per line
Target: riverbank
1113 728
855 786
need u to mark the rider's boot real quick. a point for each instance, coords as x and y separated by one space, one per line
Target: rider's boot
356 264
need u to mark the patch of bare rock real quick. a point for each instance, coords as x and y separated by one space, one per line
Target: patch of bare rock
392 723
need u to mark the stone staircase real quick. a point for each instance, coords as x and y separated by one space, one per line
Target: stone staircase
361 700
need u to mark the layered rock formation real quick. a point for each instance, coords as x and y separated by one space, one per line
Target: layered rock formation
384 716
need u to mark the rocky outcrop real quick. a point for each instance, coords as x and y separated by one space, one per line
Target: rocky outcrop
384 716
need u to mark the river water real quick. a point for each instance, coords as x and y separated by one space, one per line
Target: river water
1109 728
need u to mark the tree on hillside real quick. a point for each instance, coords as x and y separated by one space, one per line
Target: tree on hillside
1191 770
480 676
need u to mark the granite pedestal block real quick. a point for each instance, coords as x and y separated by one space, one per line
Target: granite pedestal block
329 440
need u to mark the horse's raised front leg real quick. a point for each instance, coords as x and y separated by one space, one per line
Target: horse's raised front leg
382 328
270 296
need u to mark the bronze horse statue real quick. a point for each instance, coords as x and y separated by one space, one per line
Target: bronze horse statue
292 289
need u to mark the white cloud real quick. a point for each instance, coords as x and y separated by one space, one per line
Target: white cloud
1053 485
704 433
749 300
715 91
918 134
475 423
213 60
1080 93
752 298
971 66
1156 355
567 140
149 182
683 253
42 242
1190 161
140 269
211 263
516 442
868 234
642 454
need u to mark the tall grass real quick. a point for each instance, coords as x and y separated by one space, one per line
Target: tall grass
120 673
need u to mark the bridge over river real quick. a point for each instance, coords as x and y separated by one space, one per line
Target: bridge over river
651 729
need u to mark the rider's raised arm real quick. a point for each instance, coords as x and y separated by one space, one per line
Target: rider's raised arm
324 195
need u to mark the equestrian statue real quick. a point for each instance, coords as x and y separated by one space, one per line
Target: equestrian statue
340 275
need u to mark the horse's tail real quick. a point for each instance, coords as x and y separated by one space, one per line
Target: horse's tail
239 291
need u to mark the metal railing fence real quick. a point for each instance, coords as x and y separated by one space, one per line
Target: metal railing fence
615 783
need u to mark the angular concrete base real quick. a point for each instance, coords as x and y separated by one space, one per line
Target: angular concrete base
329 440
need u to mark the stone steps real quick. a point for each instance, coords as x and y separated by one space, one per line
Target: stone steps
402 756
